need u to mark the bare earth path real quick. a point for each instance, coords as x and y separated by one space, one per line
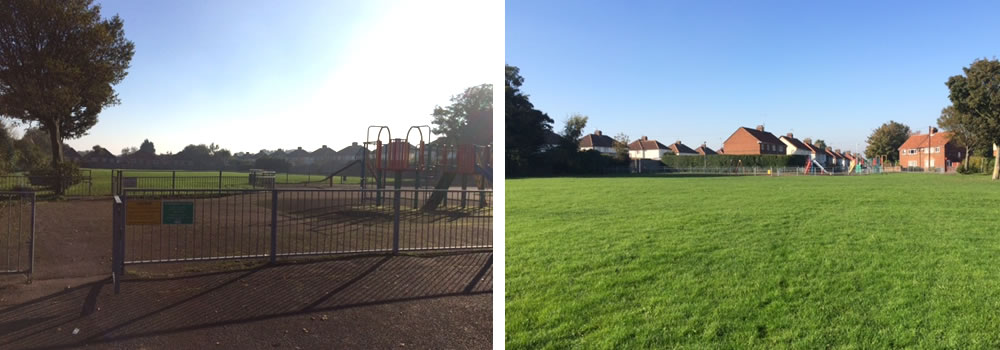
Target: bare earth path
440 302
426 301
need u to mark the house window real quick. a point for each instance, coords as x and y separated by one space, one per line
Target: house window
937 149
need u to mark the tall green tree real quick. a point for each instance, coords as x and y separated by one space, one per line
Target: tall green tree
886 139
977 93
59 61
620 145
147 147
963 131
524 126
572 131
469 118
820 144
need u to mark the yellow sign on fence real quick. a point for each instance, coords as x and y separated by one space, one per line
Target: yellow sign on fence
143 212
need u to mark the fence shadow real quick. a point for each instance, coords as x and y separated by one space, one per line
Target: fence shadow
163 306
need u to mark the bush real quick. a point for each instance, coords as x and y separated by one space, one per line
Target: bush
978 165
57 178
727 161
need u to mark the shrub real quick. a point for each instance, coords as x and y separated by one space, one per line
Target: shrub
727 161
57 178
978 165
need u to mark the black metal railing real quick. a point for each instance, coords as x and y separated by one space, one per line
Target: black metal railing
17 233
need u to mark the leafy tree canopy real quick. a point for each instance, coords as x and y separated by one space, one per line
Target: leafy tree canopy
886 139
469 118
976 93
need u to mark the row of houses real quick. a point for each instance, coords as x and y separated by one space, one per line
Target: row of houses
100 157
932 150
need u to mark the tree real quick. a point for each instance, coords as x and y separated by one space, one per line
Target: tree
621 146
820 144
129 150
59 61
147 147
524 126
570 140
977 94
886 139
963 131
469 118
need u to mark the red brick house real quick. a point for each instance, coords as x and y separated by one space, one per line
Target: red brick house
929 151
753 141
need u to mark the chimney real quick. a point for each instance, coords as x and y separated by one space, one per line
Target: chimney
300 147
934 131
760 128
790 136
598 133
677 142
644 138
354 143
837 150
324 146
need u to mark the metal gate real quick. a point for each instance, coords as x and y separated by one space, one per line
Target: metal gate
167 225
17 233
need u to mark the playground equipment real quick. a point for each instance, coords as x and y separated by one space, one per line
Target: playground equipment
813 161
399 156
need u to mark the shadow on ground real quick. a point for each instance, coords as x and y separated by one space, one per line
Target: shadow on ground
438 301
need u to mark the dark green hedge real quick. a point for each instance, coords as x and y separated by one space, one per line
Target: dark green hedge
725 161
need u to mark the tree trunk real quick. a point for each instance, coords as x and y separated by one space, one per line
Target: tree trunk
968 154
996 166
55 137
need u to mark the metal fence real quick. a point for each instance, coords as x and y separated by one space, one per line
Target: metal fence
17 233
747 171
44 184
165 225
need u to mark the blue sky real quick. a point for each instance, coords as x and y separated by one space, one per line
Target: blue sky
696 70
262 74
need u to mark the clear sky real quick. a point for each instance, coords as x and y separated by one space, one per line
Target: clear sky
697 70
249 75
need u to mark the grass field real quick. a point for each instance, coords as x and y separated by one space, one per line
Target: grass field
898 260
102 179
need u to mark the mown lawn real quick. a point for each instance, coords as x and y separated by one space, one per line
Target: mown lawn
880 261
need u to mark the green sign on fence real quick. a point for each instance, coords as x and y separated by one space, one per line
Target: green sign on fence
178 213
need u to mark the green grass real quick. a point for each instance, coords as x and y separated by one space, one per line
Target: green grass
882 261
101 180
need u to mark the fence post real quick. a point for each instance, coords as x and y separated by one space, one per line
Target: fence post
274 225
115 237
31 250
173 181
396 214
220 182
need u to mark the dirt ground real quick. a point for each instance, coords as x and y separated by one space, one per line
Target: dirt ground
439 302
375 301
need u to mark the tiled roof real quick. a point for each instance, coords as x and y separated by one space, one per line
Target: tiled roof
795 142
597 140
704 150
920 140
763 136
679 148
646 144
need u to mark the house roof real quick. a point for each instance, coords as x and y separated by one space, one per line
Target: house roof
299 152
551 138
597 139
101 152
830 152
324 152
351 150
795 142
763 136
704 150
813 149
920 140
69 152
679 148
645 143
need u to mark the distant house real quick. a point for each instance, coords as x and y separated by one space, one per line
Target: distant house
323 153
794 147
753 141
832 159
299 157
704 150
644 148
99 157
598 141
816 154
551 141
349 153
928 151
70 154
681 149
